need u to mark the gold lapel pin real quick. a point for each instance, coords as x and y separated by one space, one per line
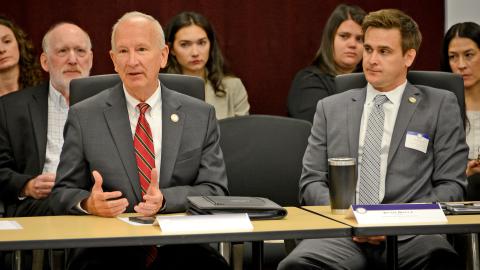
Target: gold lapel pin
412 100
174 117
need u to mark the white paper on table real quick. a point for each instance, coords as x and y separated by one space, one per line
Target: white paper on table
10 225
397 213
205 223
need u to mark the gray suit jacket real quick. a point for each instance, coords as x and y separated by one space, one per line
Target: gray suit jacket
412 176
98 137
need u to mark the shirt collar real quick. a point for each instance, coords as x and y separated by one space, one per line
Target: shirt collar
154 100
56 97
394 96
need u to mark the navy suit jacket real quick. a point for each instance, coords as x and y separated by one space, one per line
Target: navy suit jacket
23 140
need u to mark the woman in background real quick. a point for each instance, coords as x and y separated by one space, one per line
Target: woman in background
340 52
19 67
461 55
194 50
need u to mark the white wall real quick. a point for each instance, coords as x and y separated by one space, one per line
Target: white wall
461 11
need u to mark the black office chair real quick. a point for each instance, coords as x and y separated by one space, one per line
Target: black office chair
83 88
443 80
263 156
473 189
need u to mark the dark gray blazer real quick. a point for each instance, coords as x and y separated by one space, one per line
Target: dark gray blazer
23 140
98 137
412 176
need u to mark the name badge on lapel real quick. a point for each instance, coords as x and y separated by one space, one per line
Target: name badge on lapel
417 141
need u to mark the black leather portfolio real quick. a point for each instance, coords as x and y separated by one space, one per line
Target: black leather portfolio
255 207
461 208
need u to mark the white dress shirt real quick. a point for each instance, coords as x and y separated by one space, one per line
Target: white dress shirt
57 116
391 110
473 134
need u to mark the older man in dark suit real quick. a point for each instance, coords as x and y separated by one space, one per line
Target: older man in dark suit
139 147
32 120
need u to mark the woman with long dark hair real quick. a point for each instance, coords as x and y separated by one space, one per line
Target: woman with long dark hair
194 50
19 66
461 55
340 52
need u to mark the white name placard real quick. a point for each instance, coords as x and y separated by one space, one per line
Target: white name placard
380 214
205 223
10 225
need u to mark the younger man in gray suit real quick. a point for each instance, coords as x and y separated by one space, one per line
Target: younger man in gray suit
410 146
139 147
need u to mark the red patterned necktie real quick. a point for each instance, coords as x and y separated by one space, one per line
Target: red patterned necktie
144 151
145 155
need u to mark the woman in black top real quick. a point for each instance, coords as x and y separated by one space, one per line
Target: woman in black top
340 52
